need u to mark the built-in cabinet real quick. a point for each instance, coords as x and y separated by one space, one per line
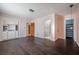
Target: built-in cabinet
11 28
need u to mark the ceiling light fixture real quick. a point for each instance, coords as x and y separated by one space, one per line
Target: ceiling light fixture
31 10
71 9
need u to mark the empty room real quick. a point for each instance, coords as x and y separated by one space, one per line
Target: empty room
39 29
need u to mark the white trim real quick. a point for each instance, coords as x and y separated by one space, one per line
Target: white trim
64 29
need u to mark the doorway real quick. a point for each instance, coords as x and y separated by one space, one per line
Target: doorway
70 30
48 29
31 29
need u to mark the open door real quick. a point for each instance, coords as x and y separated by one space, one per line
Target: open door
31 29
69 30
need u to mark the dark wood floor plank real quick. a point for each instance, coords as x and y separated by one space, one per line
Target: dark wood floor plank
37 46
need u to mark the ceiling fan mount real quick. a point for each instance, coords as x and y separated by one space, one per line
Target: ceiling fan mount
31 10
71 5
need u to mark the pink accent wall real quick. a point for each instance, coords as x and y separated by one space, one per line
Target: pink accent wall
59 26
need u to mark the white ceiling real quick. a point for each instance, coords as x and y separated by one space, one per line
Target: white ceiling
41 9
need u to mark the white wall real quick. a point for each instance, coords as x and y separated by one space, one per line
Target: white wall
40 26
6 35
22 28
56 23
76 25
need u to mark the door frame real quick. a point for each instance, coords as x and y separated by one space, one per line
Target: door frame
65 28
29 33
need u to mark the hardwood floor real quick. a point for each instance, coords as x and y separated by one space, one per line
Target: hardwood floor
37 46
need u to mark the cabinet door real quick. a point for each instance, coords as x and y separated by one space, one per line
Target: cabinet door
11 34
